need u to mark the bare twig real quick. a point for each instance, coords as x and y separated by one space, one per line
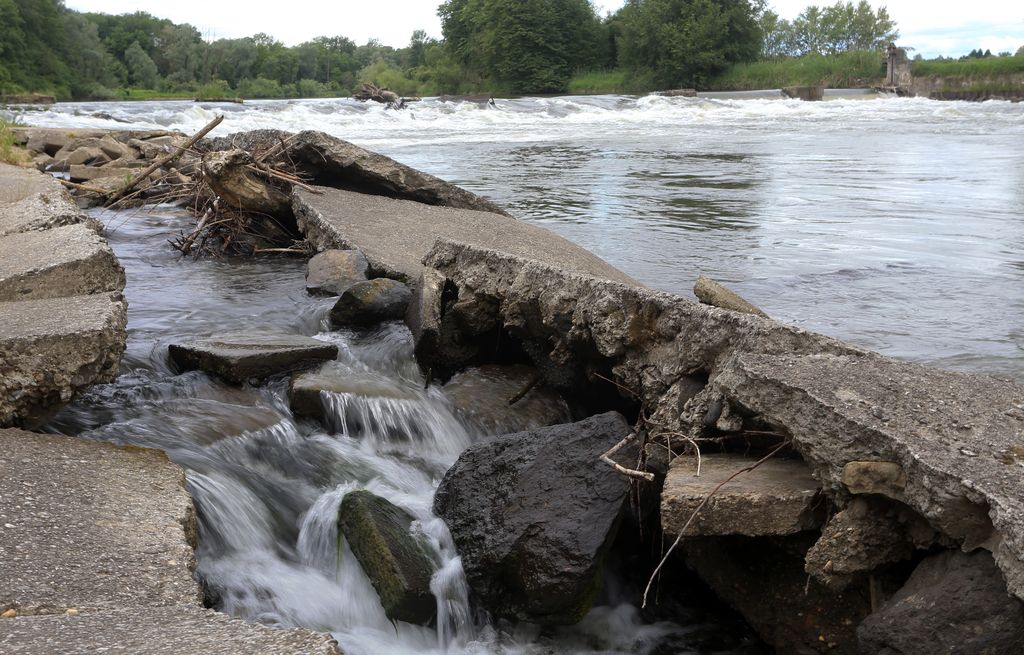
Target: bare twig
530 384
82 187
693 515
607 459
624 388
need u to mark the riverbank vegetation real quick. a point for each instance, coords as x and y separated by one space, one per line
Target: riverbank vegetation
489 47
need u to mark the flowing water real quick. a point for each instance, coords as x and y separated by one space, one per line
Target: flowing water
893 223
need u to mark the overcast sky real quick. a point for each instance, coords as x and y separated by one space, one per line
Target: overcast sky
931 27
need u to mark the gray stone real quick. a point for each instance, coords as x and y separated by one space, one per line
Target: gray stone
170 630
370 302
398 564
954 603
84 155
885 478
242 356
482 395
53 347
63 261
304 391
779 497
330 272
869 534
710 292
395 235
533 515
85 173
339 164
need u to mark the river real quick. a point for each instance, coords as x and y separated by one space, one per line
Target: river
893 223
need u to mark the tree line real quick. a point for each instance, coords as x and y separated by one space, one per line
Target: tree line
491 46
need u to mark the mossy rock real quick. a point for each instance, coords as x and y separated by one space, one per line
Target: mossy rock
370 302
398 564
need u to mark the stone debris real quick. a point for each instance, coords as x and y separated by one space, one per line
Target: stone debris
242 356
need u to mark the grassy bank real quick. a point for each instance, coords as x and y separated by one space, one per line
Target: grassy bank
10 153
846 70
973 68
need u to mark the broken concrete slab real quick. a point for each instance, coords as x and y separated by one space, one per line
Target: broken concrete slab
86 173
332 162
97 556
242 356
53 347
949 432
169 630
306 388
92 526
395 235
64 261
36 204
779 497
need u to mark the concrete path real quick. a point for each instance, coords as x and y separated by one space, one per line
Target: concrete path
96 555
395 235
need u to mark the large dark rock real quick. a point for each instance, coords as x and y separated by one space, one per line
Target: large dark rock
533 514
398 565
330 272
483 397
954 603
371 302
243 356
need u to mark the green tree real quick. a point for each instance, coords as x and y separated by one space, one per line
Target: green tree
529 46
685 42
142 71
841 27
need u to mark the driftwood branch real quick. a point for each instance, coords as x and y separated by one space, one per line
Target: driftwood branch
82 187
697 510
530 384
163 161
607 459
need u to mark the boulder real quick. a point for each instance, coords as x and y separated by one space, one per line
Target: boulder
483 395
398 563
533 514
242 356
779 497
330 272
954 603
370 302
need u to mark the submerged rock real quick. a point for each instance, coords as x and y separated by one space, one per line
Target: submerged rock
243 356
484 395
533 515
305 390
371 302
330 272
396 562
954 603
